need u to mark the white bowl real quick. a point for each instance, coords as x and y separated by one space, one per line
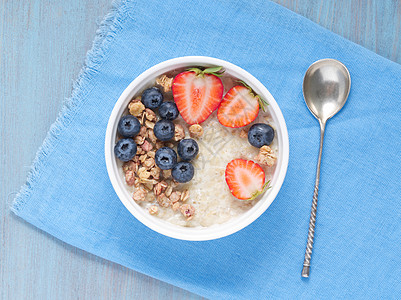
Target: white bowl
194 233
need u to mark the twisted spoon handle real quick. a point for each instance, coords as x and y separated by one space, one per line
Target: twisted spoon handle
312 220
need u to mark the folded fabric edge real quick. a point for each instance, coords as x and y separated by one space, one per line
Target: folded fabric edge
106 32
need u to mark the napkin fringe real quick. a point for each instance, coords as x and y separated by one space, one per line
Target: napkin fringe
108 29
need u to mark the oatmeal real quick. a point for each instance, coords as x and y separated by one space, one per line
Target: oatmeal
197 193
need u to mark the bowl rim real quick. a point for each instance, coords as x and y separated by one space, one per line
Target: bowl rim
196 233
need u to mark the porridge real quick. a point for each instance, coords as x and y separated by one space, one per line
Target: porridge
196 153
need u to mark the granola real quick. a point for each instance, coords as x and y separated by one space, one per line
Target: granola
130 166
165 82
139 140
163 200
153 209
175 196
150 115
143 132
152 154
139 151
169 190
175 206
136 108
195 131
159 144
148 184
140 194
266 156
166 174
179 132
159 188
130 177
142 158
184 195
149 163
143 173
155 172
146 146
187 211
151 136
149 124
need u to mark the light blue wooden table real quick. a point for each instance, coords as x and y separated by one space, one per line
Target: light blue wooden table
42 48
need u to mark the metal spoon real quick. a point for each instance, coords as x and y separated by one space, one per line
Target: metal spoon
326 87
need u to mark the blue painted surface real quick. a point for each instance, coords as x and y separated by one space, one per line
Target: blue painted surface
42 48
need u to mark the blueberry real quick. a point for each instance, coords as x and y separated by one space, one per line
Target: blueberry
165 158
168 110
128 126
125 149
152 97
183 171
164 130
260 134
187 149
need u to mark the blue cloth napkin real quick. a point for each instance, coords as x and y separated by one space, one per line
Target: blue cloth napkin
358 235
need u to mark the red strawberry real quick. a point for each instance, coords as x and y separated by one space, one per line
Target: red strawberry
245 179
239 107
197 93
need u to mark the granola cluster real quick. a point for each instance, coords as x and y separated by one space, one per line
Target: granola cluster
266 156
150 182
165 82
195 131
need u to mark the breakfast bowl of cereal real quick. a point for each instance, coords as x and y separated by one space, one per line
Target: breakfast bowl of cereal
196 148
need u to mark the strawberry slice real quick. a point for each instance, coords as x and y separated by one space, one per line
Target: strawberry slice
245 179
197 93
239 107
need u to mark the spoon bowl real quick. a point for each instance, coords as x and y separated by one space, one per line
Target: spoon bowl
326 87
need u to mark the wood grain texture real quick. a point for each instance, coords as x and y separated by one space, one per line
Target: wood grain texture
42 48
